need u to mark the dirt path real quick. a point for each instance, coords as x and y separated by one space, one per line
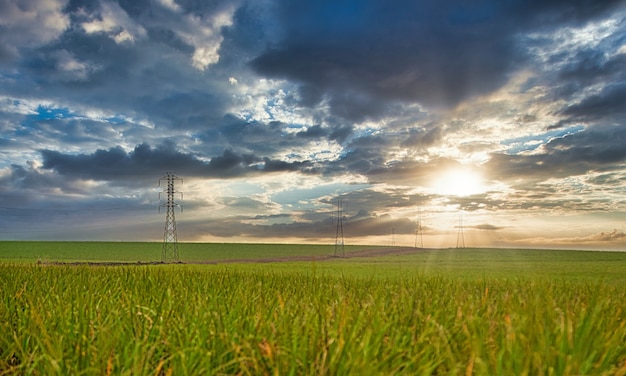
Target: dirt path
373 252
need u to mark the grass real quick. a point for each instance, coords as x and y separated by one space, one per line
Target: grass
29 251
467 262
447 312
472 264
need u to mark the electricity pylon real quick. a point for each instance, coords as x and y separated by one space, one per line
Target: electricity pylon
460 238
339 243
170 238
419 236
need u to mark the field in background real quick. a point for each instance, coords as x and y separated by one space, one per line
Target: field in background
452 312
28 251
465 262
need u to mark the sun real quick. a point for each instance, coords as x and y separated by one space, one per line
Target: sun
458 182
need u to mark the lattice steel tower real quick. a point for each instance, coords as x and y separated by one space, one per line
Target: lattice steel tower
170 238
419 235
460 238
339 244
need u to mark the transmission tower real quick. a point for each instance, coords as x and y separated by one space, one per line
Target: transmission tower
170 241
339 243
460 238
419 236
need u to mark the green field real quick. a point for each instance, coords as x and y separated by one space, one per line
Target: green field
444 312
29 251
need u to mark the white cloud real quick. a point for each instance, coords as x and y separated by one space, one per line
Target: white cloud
266 100
33 22
567 41
200 30
115 23
205 56
170 4
204 34
123 36
17 106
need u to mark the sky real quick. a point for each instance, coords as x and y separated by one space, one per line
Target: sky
501 121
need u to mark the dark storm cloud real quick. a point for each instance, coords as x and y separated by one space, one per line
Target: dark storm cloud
608 103
341 133
591 66
315 131
360 54
146 162
576 154
22 181
265 138
116 164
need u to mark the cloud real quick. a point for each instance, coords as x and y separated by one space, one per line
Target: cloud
354 228
423 138
199 29
280 107
602 239
23 185
363 54
71 69
207 44
592 66
362 202
612 236
131 59
114 22
575 154
30 23
608 103
485 226
365 214
115 164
